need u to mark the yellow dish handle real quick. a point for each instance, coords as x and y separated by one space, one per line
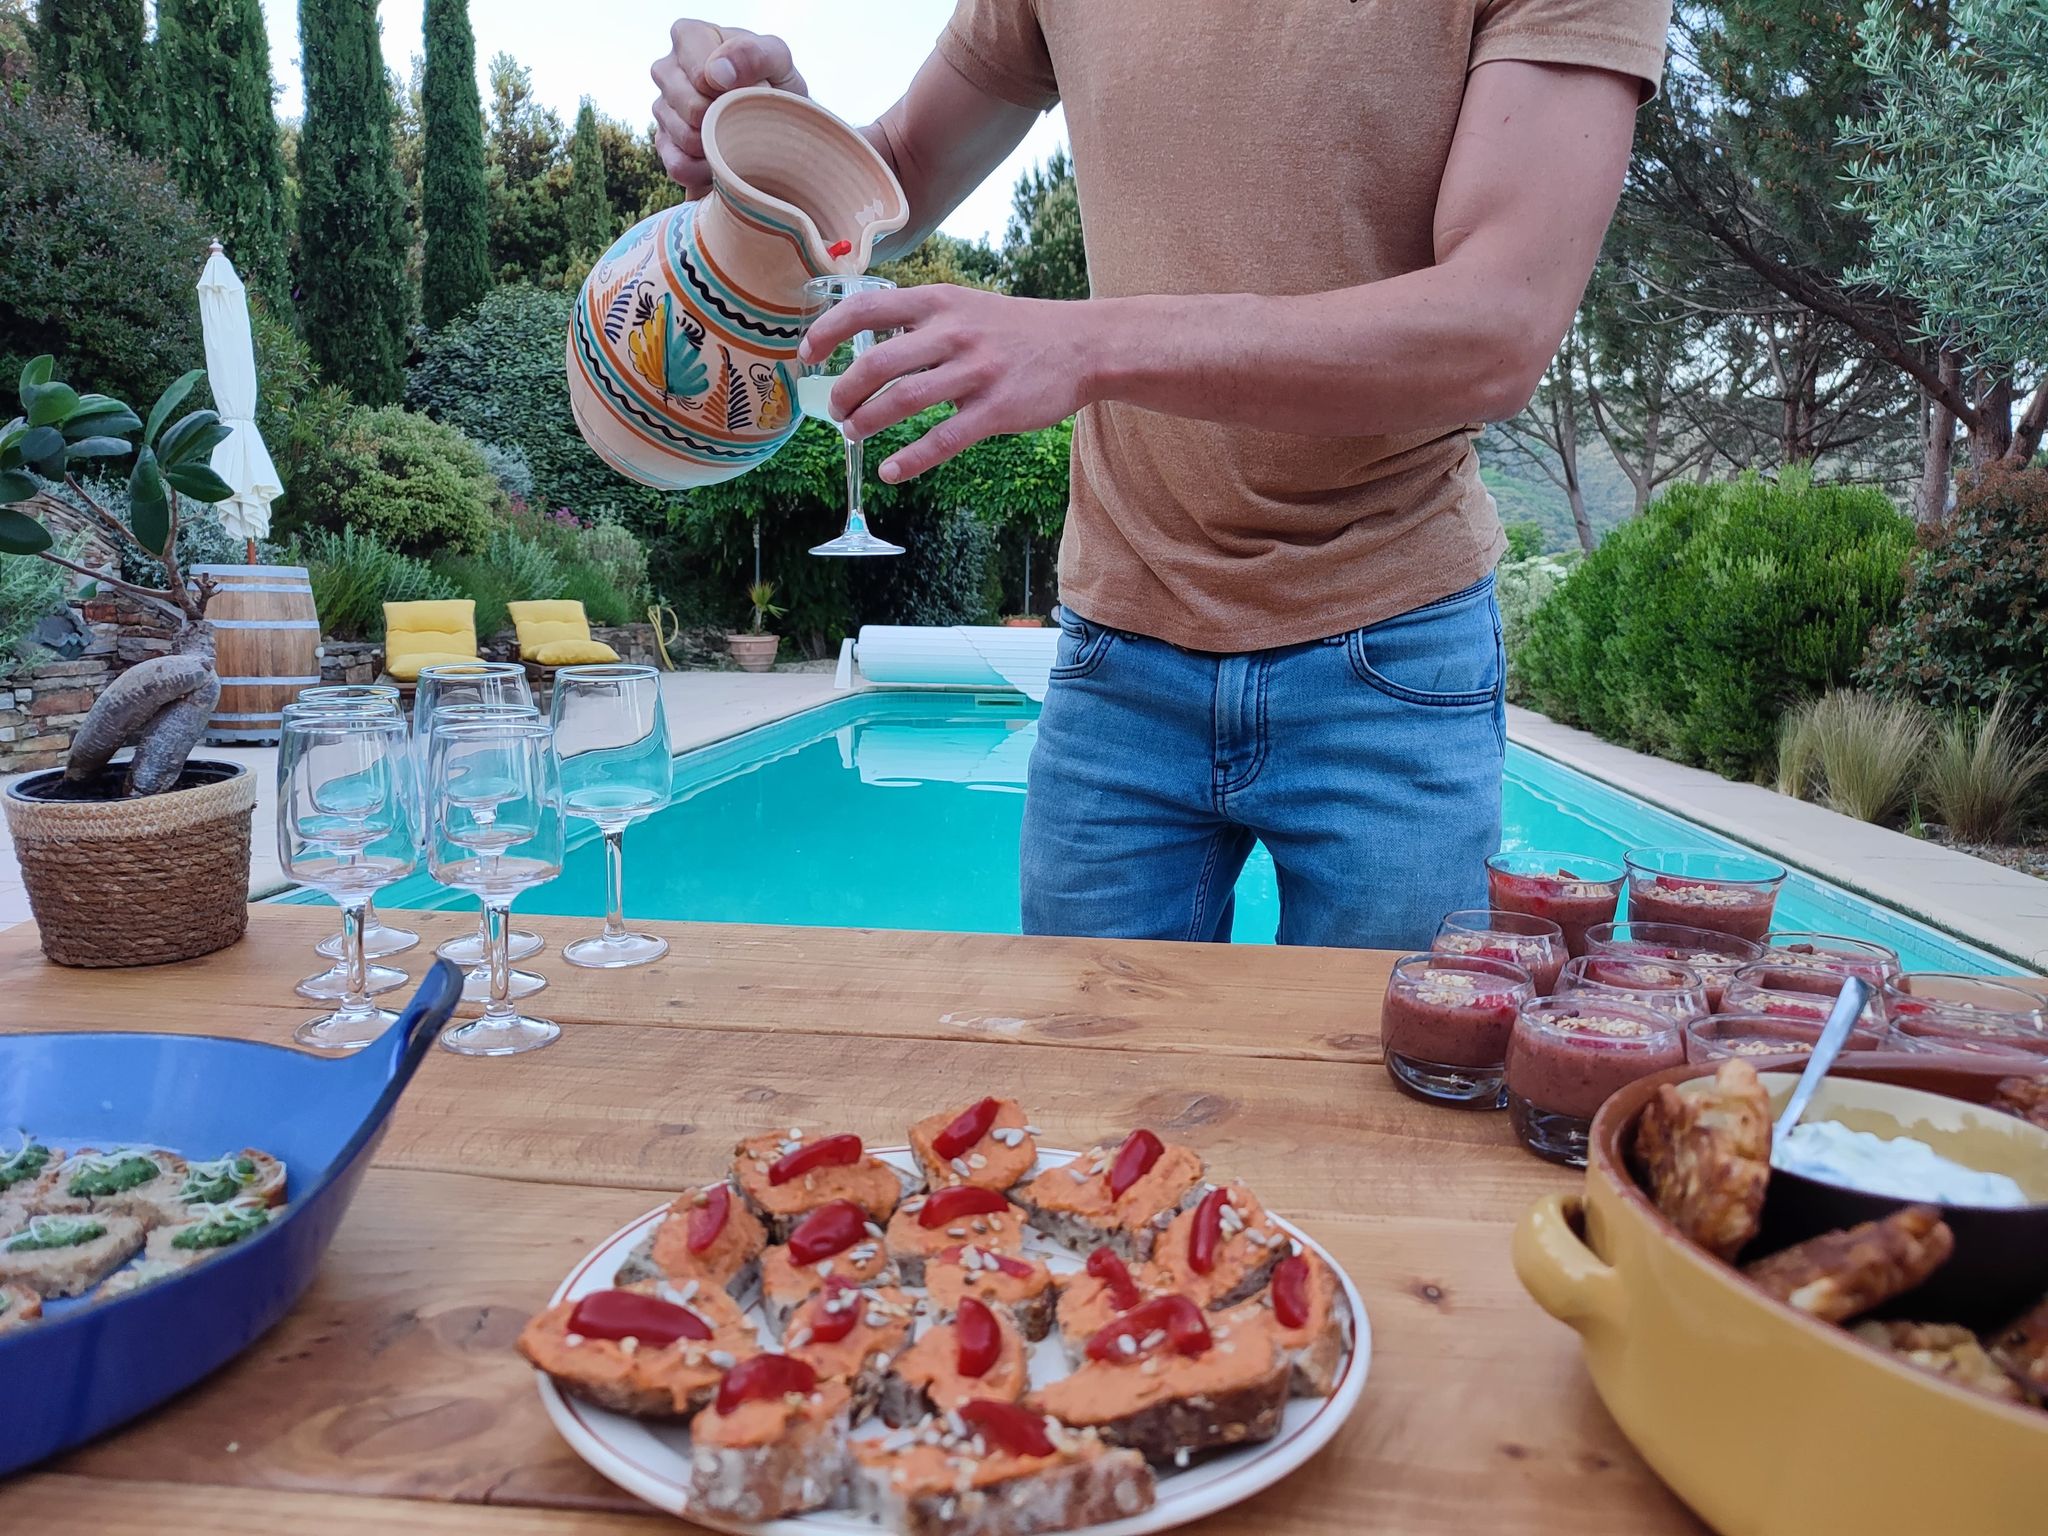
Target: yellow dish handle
1568 1280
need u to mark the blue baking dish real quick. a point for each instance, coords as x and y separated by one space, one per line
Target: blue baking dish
91 1365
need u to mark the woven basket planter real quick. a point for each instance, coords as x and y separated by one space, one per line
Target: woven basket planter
136 882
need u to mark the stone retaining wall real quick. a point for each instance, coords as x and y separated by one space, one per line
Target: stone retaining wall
43 704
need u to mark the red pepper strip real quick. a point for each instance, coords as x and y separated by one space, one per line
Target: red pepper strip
1207 1236
981 1341
959 1203
1175 1316
1290 1292
839 248
1016 1269
967 1129
709 1219
1008 1427
763 1379
1134 1159
1115 1276
829 1325
830 1229
832 1152
630 1315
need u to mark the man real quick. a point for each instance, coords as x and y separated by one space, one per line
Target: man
1325 237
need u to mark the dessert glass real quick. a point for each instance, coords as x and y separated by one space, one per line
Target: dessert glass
1570 890
1445 1022
1716 956
1673 991
1536 944
1875 963
1806 989
1727 892
1969 1015
1566 1054
1756 1035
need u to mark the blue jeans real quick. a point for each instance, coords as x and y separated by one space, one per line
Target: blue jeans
1369 764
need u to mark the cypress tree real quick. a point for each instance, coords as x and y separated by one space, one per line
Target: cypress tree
454 198
94 52
353 300
220 133
590 212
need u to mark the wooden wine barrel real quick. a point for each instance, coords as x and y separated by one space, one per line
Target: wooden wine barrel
266 640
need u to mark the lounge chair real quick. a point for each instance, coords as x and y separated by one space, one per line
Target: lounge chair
552 635
433 634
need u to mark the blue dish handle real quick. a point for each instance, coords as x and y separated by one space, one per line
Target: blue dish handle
381 1071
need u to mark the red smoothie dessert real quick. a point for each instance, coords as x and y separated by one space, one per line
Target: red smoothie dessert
1567 1054
1763 1034
1536 944
1715 956
1804 991
1873 962
1969 1015
1676 992
1445 1022
1570 890
1727 892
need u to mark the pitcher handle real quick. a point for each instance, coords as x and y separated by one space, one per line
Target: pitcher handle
1569 1281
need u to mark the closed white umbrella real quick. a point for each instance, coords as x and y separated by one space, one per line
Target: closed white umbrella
241 460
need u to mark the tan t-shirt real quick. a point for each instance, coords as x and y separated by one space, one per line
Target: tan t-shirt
1292 146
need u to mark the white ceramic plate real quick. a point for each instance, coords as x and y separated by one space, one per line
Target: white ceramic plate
653 1460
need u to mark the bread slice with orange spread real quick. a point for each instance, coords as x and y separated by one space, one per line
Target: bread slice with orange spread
1024 1285
1122 1194
633 1351
709 1235
988 1144
927 1225
773 1443
836 1242
1220 1250
1311 1321
851 1335
784 1176
978 1353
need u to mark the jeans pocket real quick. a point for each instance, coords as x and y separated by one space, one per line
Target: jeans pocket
1083 646
1446 655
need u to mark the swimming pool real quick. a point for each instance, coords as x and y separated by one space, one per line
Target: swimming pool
901 810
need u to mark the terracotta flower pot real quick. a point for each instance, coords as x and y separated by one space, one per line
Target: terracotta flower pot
1024 621
139 881
682 347
754 653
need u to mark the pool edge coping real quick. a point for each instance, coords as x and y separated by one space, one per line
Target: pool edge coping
1664 785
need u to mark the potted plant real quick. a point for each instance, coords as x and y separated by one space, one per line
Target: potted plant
1023 621
160 840
755 650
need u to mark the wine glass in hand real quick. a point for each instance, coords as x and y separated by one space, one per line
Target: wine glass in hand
495 805
611 740
814 394
345 827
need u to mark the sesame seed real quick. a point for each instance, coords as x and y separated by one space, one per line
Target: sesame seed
572 1339
956 1231
723 1359
1127 1345
825 1270
629 1345
1154 1339
960 1167
874 1230
800 1338
796 1133
1182 1457
976 1160
689 1292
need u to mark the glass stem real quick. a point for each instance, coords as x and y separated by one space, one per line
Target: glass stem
856 463
497 945
483 930
369 914
615 883
357 998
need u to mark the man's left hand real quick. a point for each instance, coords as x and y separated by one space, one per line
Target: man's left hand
1009 365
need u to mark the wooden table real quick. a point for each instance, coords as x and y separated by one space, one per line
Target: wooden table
392 1398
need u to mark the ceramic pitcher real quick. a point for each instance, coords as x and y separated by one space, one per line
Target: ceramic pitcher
682 348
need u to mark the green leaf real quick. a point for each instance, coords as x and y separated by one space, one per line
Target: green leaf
149 508
34 374
102 448
199 482
48 403
192 440
21 534
16 486
172 399
115 421
39 443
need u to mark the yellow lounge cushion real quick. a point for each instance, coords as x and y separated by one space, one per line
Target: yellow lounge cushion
570 653
545 623
428 634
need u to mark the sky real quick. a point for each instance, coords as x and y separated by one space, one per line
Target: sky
857 55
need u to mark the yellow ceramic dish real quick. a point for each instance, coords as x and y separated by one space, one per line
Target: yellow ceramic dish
1764 1421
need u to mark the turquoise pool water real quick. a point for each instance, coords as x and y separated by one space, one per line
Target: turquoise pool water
901 810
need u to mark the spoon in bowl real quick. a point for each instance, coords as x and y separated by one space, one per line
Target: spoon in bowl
1849 1005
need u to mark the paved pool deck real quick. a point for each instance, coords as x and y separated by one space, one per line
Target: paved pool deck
1997 908
1994 907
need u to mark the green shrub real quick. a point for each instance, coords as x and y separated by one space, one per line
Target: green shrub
943 575
1974 625
510 469
285 375
354 576
617 563
511 568
420 487
30 590
101 256
1693 627
1853 752
1523 586
1982 772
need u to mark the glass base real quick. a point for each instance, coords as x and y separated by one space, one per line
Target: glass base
380 942
476 986
602 953
509 1036
468 950
345 1030
1470 1087
331 985
1561 1138
858 543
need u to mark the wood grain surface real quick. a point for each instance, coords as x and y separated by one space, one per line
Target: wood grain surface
391 1397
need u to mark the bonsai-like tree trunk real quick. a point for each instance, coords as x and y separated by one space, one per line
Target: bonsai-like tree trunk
161 705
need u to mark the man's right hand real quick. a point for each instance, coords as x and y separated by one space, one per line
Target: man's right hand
702 64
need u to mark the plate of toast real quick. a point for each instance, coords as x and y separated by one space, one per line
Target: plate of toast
967 1335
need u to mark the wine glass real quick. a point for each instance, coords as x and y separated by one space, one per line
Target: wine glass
462 685
611 740
814 396
476 982
494 793
380 939
345 827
